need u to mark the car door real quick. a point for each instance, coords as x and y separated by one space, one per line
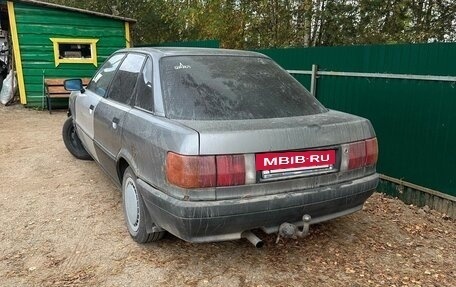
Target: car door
110 112
142 141
87 102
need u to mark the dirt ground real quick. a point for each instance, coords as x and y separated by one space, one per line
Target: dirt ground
61 224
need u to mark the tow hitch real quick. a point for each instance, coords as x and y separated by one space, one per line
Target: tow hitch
288 230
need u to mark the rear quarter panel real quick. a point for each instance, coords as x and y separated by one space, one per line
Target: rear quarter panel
146 140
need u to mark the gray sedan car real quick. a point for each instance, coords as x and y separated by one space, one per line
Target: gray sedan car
210 144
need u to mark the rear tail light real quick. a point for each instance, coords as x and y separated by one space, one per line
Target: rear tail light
230 170
359 154
190 171
205 171
356 155
371 151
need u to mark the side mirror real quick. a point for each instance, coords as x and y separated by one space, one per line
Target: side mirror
73 85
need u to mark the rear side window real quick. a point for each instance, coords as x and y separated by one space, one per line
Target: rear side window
231 88
145 89
125 79
100 82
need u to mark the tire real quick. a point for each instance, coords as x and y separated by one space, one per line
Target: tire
135 210
72 141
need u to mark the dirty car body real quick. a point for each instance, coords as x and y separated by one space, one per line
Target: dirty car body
220 142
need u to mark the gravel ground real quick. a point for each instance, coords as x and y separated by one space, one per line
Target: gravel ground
62 225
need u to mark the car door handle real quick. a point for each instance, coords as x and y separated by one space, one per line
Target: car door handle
91 108
115 122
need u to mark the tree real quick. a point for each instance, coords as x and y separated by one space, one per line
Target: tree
284 23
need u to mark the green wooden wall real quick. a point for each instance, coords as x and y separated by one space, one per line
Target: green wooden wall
415 120
36 24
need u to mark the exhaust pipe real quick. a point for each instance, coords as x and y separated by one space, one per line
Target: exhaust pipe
257 242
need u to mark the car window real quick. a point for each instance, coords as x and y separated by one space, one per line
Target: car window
125 79
100 82
144 88
231 88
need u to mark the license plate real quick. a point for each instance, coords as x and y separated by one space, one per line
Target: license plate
311 159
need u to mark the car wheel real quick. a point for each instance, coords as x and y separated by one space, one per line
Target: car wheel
135 210
72 141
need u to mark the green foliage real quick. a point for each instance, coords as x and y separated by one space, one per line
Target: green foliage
284 23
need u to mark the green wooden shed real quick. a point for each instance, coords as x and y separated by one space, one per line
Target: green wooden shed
53 41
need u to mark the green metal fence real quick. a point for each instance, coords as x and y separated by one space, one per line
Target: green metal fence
414 117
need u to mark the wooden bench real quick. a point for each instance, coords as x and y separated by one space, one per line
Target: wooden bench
54 89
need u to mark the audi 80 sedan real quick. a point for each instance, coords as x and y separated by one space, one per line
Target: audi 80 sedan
210 144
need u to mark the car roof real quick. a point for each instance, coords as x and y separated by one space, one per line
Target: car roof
159 52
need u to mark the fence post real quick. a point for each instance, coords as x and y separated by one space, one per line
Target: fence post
313 81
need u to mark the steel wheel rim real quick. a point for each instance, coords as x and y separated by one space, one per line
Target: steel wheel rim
73 136
131 204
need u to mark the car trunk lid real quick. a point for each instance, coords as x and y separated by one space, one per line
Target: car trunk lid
282 134
344 144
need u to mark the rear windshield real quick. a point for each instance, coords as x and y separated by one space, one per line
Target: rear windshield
231 88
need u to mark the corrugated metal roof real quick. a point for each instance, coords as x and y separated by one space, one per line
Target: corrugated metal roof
56 6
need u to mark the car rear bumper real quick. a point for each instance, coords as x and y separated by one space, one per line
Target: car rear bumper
202 221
